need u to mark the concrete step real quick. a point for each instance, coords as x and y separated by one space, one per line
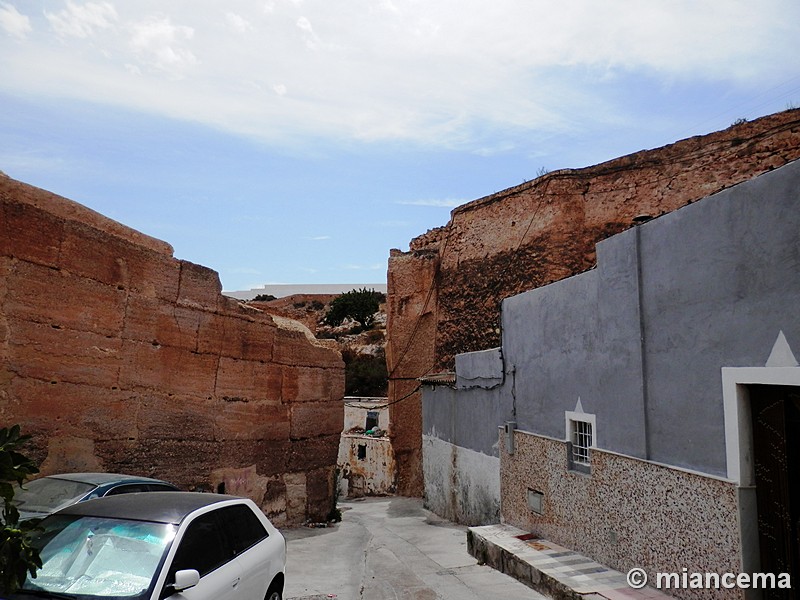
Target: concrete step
550 569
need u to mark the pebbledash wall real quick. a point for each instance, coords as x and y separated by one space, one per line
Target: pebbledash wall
656 348
115 356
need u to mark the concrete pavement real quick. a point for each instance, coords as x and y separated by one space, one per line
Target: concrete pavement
391 548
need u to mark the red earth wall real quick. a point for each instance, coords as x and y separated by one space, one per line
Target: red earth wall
115 356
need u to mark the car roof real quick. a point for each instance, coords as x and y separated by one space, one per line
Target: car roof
159 507
103 478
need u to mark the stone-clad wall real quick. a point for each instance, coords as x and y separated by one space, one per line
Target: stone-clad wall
118 357
641 514
444 295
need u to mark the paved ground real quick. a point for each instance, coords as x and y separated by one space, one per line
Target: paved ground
391 548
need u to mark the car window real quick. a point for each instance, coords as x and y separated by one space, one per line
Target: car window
128 488
243 527
202 547
48 494
161 487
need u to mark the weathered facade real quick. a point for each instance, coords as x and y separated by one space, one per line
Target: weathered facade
444 295
115 356
461 463
366 463
646 412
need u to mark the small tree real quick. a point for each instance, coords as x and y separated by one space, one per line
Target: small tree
359 305
17 556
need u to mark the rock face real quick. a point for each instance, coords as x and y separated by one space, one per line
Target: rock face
306 308
118 357
444 295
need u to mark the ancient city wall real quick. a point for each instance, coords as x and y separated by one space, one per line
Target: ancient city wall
118 357
444 294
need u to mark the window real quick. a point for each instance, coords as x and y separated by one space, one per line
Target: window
581 441
203 547
243 527
372 420
161 487
581 436
131 488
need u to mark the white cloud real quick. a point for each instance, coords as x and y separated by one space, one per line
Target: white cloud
319 238
311 39
238 23
81 20
160 44
14 22
469 74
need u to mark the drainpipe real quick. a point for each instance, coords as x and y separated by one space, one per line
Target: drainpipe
638 221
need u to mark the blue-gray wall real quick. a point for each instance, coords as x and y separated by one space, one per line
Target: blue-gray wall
642 338
461 464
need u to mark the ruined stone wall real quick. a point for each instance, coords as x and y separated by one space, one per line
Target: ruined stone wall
115 356
539 232
306 308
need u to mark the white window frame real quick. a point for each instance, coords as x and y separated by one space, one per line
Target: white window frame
572 418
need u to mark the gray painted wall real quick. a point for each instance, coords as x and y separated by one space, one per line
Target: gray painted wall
464 417
642 338
461 461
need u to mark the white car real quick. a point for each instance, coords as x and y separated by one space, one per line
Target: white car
159 545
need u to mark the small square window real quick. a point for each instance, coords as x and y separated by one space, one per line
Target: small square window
362 452
372 420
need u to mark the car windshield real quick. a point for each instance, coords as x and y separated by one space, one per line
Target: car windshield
92 557
48 494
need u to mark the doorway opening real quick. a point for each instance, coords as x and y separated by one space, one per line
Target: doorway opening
775 414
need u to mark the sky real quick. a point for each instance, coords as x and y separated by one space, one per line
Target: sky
298 141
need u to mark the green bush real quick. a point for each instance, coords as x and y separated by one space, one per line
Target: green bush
359 305
17 556
365 374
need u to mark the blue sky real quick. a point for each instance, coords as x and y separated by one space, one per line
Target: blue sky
298 141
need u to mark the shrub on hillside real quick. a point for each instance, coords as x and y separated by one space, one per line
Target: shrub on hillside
359 305
364 374
264 298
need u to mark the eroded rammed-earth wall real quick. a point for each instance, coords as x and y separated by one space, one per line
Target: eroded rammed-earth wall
115 356
444 294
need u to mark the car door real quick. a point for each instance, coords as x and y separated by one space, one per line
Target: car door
259 557
204 548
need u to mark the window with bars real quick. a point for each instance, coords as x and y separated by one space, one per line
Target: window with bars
581 439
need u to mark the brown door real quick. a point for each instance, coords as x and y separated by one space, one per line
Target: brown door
776 455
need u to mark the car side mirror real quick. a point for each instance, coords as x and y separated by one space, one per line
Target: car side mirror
186 579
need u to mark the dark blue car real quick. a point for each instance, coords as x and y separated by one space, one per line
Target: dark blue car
43 496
